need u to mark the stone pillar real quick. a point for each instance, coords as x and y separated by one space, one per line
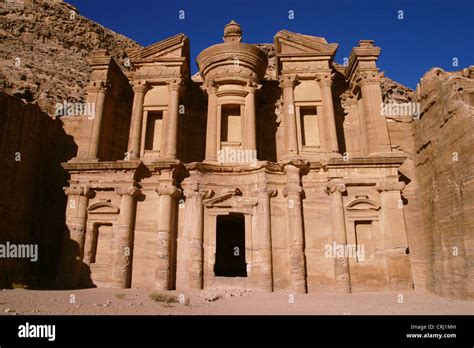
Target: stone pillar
99 89
377 130
394 235
287 83
193 238
211 132
122 239
171 130
167 192
262 248
325 82
134 142
349 104
292 192
250 135
76 222
341 263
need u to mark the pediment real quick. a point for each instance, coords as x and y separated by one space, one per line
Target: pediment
296 44
103 208
363 204
223 200
171 48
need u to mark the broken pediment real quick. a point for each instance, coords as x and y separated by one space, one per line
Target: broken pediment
175 47
103 208
222 200
287 42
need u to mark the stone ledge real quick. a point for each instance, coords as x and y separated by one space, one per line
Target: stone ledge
107 165
367 161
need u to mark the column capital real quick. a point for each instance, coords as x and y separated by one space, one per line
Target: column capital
168 189
202 194
210 87
140 86
387 185
288 80
129 190
363 78
348 99
325 78
78 190
175 84
253 86
292 190
264 191
98 86
333 187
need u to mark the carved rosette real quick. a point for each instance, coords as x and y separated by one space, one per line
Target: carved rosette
325 79
127 190
334 187
288 81
368 78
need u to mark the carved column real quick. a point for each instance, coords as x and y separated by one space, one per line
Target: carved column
122 239
355 125
341 263
287 83
76 222
193 237
171 130
377 131
139 89
99 89
167 192
250 119
262 249
325 82
292 192
211 132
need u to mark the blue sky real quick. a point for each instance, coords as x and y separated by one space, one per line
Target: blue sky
431 33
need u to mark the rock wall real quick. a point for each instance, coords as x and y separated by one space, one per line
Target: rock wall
32 202
43 52
444 168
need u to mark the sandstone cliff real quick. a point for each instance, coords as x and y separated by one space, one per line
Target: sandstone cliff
44 48
444 170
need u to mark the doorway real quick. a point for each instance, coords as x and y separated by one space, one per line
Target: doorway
230 246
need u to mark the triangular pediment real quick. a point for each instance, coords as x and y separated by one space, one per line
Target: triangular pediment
296 44
173 47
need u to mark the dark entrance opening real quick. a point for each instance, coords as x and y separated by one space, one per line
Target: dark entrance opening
230 246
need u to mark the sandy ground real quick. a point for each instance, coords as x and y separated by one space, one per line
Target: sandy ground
219 301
